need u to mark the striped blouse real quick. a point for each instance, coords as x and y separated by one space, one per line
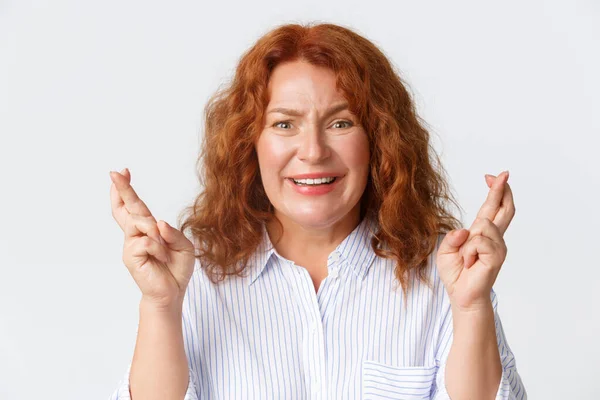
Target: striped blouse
269 335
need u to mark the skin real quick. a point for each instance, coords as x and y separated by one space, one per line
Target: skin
468 262
312 142
160 258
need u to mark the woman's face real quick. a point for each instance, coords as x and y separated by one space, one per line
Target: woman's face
321 138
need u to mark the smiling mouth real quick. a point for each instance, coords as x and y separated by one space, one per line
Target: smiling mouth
312 184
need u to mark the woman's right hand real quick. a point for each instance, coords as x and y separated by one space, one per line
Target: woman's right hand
160 258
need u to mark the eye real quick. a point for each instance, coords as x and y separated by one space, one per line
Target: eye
344 122
280 122
349 123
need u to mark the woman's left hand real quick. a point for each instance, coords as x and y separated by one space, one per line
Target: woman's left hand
469 261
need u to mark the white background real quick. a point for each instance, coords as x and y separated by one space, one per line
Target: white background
87 87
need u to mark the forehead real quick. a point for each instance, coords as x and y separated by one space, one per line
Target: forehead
298 82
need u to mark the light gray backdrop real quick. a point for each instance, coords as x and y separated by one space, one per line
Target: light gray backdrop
86 87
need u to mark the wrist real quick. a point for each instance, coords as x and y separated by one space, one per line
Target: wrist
469 306
473 324
173 309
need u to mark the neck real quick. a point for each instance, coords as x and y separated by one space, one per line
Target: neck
312 244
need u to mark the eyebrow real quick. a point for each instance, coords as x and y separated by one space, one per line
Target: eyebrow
297 113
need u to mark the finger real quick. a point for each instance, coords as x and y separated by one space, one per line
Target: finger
492 203
119 212
132 202
506 212
452 241
144 246
175 239
507 209
478 245
138 225
481 246
485 228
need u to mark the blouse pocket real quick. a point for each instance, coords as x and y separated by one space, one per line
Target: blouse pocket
381 381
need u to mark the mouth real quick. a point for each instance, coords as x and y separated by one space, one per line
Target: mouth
335 179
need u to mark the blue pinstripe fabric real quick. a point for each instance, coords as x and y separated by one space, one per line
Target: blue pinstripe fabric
268 335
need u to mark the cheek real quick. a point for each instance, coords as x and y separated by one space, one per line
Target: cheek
355 152
272 155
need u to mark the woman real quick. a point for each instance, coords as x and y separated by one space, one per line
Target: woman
323 263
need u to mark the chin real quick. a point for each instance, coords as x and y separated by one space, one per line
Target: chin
316 219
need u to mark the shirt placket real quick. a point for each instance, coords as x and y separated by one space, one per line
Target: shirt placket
317 336
314 349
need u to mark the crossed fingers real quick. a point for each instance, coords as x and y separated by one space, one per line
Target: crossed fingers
492 220
128 209
499 206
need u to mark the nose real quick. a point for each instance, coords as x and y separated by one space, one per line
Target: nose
313 146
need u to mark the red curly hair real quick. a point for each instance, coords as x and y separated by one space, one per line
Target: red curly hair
406 192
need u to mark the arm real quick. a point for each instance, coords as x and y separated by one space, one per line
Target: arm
158 361
159 368
161 260
468 262
473 367
467 357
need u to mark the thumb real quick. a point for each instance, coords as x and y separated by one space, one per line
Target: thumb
453 240
175 239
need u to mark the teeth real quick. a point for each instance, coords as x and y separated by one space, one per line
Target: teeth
314 181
